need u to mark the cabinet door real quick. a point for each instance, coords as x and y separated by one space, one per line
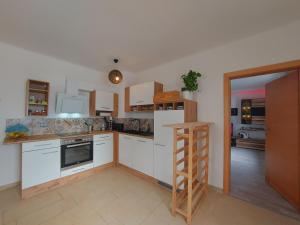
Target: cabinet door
40 166
143 156
104 101
103 149
134 96
147 93
142 94
163 159
164 135
125 150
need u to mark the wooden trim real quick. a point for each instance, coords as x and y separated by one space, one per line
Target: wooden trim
11 185
158 87
126 99
190 111
274 68
35 190
115 113
116 148
92 107
138 174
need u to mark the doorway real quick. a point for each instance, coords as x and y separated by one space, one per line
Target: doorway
245 154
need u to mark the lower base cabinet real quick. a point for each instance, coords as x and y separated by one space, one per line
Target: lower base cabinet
137 153
103 149
40 162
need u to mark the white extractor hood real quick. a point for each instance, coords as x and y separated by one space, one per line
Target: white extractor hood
71 101
66 103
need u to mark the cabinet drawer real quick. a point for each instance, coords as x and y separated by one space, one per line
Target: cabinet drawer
40 166
39 145
102 137
78 169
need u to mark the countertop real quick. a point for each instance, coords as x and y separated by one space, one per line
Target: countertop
46 137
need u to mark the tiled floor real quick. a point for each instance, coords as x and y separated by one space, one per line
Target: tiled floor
118 198
248 182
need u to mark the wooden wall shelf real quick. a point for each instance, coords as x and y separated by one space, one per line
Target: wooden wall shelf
37 98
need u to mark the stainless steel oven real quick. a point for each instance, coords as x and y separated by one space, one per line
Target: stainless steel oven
76 151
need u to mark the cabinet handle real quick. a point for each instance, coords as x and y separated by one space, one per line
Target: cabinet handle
103 107
104 137
41 145
140 101
141 141
160 145
47 153
101 143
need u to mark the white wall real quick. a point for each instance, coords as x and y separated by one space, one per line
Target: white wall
270 47
16 66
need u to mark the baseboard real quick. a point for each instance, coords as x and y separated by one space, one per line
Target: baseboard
138 174
12 185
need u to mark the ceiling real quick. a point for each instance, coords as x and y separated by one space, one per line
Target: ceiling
256 82
141 33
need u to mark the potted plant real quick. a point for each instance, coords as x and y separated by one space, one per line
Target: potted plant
190 81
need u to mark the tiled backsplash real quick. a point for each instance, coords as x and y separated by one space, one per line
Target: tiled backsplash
146 125
39 126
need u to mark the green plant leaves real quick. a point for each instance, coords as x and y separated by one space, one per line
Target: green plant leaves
190 81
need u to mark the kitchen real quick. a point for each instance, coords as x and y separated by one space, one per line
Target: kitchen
57 151
97 125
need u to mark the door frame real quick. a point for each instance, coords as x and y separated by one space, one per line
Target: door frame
274 68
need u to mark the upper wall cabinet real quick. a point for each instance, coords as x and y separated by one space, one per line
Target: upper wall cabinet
139 98
104 102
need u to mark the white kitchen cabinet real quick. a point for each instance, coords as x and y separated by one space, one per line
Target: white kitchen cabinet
163 143
137 153
103 149
143 156
104 101
40 162
126 149
142 94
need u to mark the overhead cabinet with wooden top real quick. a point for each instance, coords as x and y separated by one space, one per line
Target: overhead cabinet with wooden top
139 98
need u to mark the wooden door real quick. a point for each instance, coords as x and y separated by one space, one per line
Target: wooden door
282 136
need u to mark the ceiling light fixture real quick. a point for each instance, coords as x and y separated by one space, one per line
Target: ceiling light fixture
115 76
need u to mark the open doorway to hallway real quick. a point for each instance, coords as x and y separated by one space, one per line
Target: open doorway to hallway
252 151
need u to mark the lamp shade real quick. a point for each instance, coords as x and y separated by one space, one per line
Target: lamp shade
115 76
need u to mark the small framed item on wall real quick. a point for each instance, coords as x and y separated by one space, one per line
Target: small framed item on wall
234 111
37 98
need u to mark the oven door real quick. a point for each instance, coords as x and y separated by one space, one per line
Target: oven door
72 154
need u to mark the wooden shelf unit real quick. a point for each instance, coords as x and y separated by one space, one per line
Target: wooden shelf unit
247 116
37 98
251 143
190 172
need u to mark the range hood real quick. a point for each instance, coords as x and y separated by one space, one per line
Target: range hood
66 103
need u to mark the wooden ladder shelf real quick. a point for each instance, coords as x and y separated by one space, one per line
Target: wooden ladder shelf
190 167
